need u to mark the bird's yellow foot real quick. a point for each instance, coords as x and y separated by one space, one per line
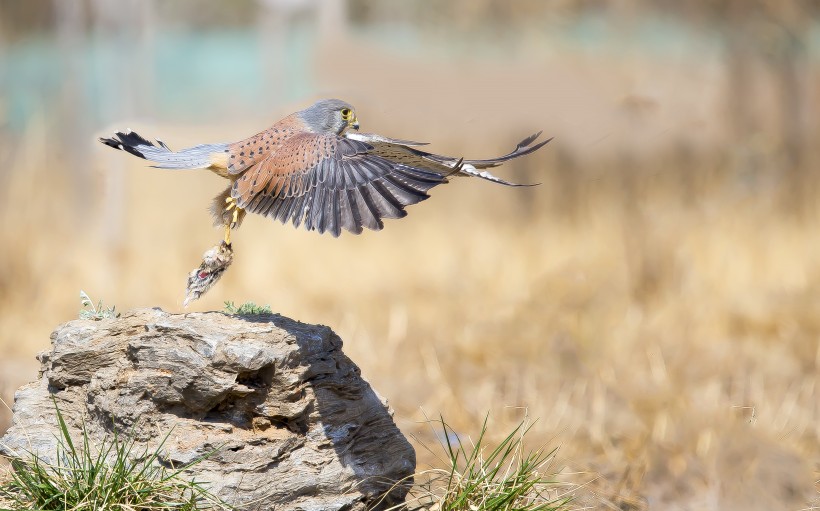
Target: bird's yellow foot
234 209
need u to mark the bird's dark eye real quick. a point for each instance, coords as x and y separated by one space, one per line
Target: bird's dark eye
347 114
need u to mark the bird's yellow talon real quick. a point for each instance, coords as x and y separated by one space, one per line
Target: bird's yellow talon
234 209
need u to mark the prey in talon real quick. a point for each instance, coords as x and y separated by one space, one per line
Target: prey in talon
315 169
214 263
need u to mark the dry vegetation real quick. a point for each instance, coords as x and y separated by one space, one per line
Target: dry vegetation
655 303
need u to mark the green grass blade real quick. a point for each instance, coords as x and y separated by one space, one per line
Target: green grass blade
114 475
504 478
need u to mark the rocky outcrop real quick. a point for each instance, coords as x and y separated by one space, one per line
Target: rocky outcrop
292 422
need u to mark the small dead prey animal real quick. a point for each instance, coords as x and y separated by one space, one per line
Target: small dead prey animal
214 263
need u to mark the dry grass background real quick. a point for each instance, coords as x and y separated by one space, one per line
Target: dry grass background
655 303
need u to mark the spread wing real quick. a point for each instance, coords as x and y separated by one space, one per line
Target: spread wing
405 152
330 182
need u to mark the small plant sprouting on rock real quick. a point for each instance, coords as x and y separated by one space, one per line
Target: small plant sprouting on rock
89 311
114 476
247 309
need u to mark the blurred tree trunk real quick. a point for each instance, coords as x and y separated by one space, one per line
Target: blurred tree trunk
272 28
789 64
773 35
129 27
740 55
333 19
70 143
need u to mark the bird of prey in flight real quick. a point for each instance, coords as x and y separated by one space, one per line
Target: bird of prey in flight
314 168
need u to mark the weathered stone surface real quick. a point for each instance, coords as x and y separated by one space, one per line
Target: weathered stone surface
294 424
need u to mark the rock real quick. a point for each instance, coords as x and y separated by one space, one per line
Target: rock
293 423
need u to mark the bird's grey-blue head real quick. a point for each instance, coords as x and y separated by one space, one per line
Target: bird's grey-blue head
330 116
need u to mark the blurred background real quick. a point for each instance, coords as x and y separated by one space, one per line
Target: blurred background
654 304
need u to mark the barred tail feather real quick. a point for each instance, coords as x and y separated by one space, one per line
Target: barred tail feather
196 157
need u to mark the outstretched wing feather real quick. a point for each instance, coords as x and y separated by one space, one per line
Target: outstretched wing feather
331 183
405 153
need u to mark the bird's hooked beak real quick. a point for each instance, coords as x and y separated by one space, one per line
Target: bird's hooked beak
354 123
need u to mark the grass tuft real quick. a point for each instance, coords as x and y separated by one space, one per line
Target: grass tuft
96 313
247 309
478 478
115 476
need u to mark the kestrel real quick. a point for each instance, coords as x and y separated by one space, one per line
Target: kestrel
314 168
